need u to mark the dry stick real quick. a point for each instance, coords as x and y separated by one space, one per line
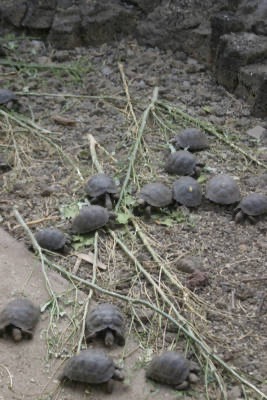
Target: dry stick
39 251
208 128
137 143
69 95
90 293
125 85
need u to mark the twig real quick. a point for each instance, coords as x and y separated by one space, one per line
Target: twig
126 89
95 161
42 258
10 386
90 293
137 143
69 95
37 221
208 128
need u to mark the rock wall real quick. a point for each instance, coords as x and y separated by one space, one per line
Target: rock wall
229 35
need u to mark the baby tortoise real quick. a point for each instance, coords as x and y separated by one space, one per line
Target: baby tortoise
51 239
251 206
154 195
223 189
187 191
93 367
173 369
7 97
18 319
106 321
191 139
183 163
102 187
91 218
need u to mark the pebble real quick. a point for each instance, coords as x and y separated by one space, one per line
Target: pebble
258 132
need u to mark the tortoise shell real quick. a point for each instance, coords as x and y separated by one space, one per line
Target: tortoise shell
105 317
100 184
223 189
192 139
89 366
181 163
6 96
170 368
187 191
19 313
51 239
156 194
253 204
89 219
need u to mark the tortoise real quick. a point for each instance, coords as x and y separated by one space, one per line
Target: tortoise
251 206
105 321
6 96
173 369
91 218
183 163
192 139
102 187
94 367
19 318
154 195
222 189
187 191
51 239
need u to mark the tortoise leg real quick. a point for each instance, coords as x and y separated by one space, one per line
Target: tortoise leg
109 385
118 374
109 338
147 212
239 217
108 202
16 334
252 219
182 386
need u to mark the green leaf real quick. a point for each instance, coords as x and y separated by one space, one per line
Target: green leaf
70 210
202 178
166 221
79 241
123 218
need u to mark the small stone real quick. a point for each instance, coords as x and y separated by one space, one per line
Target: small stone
258 132
189 264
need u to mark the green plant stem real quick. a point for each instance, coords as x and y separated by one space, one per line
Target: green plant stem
137 143
38 249
90 293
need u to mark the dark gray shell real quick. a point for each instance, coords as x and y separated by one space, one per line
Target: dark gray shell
6 96
100 184
51 239
156 194
20 313
254 204
181 163
89 219
187 191
222 189
170 368
89 366
105 316
192 139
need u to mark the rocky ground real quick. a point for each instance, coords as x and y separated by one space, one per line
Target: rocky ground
67 95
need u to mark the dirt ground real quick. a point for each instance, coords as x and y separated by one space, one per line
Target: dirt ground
67 95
